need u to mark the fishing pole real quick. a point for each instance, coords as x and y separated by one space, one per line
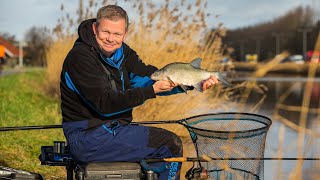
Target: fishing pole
180 159
18 128
208 159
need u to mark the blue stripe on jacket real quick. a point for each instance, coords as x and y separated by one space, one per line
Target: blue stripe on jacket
72 87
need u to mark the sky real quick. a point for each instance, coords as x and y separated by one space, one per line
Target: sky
18 16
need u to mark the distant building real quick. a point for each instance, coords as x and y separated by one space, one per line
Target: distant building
2 54
8 51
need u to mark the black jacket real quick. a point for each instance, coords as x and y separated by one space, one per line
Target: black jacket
86 88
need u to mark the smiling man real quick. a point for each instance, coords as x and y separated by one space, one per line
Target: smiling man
102 80
110 32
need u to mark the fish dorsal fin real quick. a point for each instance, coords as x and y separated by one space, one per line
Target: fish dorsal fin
196 63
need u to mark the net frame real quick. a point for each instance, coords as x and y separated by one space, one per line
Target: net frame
247 127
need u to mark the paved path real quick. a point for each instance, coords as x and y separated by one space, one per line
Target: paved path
17 70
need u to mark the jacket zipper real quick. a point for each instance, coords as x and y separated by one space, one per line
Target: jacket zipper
121 77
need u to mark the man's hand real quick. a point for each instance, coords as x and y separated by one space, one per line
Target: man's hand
163 86
209 83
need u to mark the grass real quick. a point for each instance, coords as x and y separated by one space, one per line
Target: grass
24 103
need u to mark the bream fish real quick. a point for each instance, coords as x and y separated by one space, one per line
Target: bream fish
187 74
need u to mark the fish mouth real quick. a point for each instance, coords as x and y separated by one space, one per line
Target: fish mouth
152 77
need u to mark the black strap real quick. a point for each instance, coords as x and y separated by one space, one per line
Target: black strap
113 83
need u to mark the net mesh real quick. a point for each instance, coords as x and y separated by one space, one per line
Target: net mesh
232 139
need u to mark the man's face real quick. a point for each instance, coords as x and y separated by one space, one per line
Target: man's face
110 34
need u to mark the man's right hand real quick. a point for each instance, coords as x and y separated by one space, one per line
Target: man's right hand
163 86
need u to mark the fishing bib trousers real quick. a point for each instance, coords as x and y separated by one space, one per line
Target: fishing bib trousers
114 142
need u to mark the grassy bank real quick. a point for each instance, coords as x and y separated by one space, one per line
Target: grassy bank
23 103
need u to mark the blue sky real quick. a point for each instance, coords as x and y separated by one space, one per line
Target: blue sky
17 16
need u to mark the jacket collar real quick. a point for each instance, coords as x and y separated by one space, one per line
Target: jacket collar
116 59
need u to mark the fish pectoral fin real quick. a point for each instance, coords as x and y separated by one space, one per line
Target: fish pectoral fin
184 88
198 87
171 82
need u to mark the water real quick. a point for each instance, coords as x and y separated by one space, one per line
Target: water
274 169
289 91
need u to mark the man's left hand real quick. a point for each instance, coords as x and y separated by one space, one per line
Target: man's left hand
207 84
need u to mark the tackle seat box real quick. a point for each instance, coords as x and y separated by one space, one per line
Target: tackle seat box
111 170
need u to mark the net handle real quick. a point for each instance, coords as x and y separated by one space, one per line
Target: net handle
179 121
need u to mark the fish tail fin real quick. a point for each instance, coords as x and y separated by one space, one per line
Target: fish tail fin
222 79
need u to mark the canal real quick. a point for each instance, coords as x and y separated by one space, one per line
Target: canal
292 102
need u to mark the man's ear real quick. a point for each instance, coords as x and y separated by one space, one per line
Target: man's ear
125 35
94 27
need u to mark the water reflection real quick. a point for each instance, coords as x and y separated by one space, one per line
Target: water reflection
287 94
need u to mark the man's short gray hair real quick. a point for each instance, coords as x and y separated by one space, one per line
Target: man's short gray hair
112 12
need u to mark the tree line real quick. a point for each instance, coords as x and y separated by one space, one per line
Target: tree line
295 32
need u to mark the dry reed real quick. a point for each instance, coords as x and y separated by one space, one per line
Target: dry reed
55 56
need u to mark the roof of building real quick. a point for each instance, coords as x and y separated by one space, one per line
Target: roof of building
10 49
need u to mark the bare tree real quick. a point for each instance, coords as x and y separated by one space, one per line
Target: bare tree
37 41
287 25
7 36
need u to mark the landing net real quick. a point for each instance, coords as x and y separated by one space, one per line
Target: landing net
230 137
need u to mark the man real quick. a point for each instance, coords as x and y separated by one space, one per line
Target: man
102 79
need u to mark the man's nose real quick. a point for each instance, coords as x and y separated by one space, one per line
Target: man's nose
110 37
